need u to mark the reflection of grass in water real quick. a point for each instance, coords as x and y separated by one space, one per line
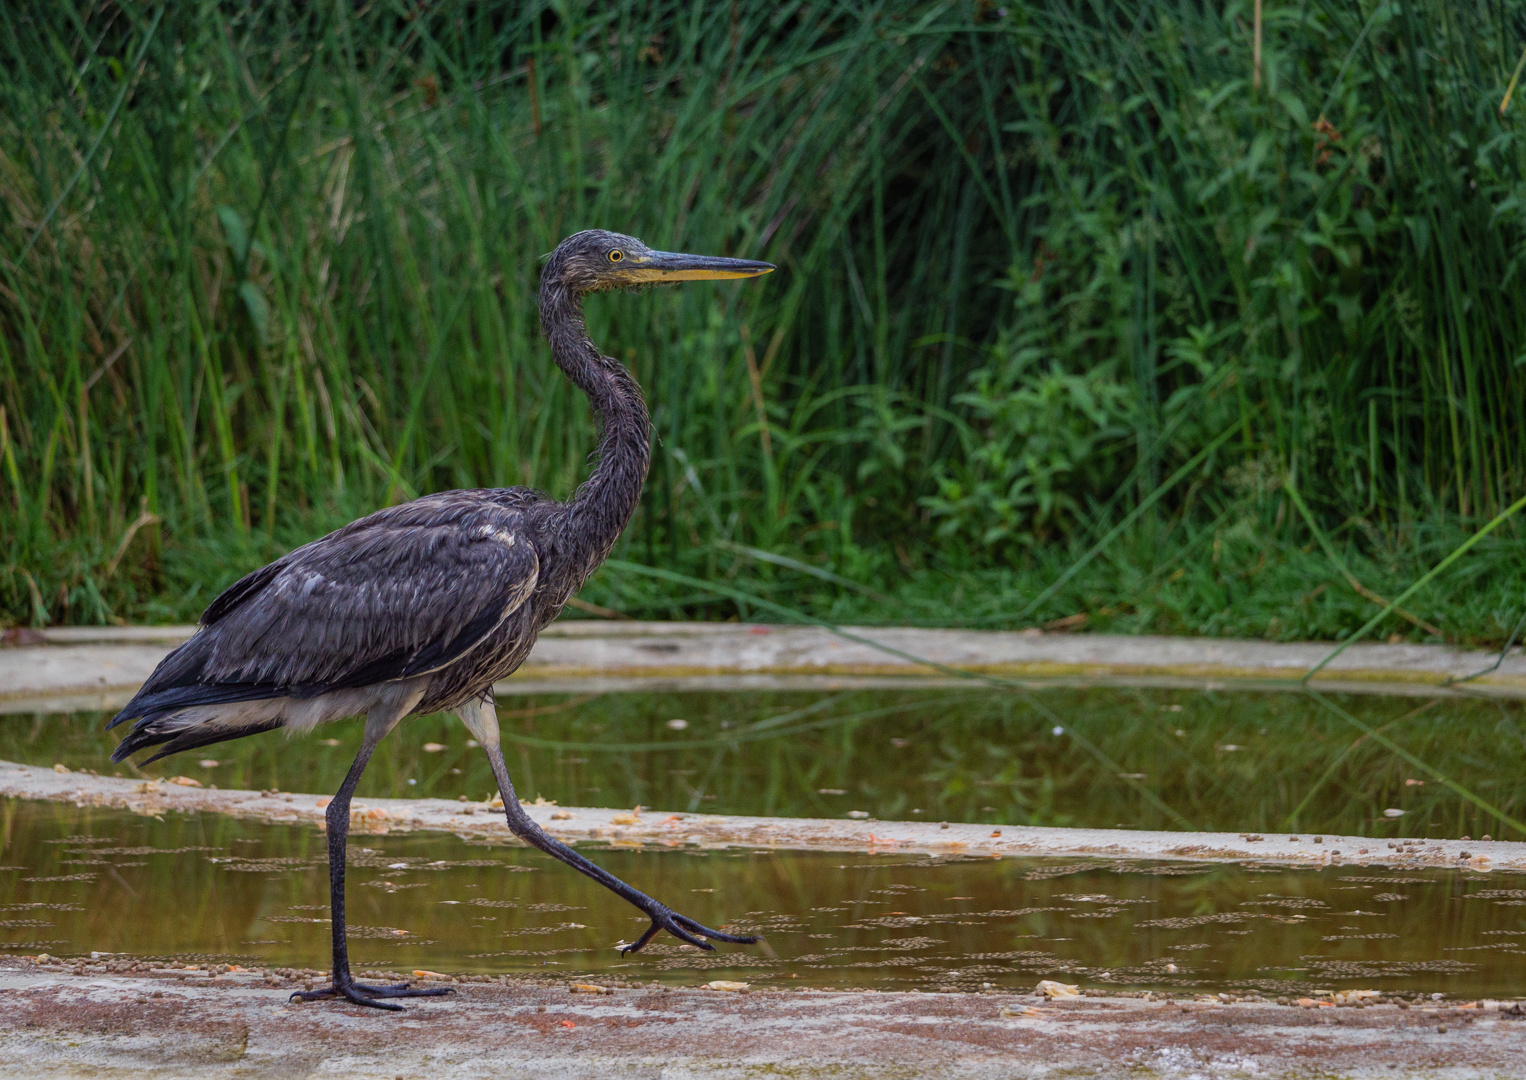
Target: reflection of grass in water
1291 822
1242 761
774 727
1388 744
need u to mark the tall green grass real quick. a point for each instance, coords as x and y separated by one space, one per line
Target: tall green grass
266 267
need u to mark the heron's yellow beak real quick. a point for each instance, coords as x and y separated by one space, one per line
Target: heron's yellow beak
660 266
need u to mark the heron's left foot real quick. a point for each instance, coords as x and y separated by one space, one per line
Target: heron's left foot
362 994
684 929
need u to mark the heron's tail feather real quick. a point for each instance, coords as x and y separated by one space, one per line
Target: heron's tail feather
175 740
183 721
185 717
150 705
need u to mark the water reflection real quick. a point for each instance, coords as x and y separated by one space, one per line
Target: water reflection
210 888
1101 757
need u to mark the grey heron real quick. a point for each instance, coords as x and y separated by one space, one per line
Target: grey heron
421 607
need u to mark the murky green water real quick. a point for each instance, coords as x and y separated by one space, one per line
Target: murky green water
212 888
1101 757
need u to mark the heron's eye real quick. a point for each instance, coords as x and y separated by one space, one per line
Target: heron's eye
616 255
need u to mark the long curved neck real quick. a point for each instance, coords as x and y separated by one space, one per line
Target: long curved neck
601 507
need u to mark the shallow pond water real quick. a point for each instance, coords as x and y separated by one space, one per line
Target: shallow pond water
1102 757
210 888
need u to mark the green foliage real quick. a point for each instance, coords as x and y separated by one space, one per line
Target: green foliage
1038 441
264 268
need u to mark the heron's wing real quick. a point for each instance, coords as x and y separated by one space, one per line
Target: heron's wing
403 592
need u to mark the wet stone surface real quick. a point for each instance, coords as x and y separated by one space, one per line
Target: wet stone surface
210 889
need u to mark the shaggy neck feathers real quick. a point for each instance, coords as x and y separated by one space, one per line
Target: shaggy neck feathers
601 507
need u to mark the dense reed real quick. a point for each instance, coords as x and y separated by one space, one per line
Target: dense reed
1046 270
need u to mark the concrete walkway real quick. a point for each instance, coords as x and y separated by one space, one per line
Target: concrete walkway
99 668
123 1019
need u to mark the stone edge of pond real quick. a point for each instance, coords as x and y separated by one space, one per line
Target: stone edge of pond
657 829
85 667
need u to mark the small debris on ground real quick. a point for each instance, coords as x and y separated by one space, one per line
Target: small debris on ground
1349 997
1051 989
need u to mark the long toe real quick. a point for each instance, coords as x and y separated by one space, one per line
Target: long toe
402 990
686 930
313 995
350 993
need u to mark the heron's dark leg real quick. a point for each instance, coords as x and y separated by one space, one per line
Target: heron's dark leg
337 818
485 726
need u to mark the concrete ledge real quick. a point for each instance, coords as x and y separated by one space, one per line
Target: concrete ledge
87 667
116 1017
659 828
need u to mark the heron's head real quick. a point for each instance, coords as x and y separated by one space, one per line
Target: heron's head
594 260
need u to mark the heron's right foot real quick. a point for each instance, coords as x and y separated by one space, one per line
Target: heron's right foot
684 929
362 994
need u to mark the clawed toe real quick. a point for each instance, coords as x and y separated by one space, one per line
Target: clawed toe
686 930
402 990
349 993
361 994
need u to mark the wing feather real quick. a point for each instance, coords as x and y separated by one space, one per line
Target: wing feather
403 592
